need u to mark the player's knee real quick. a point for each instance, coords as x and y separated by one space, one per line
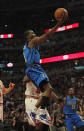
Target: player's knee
49 89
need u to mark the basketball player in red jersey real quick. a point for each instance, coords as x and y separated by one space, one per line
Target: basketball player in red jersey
32 95
4 90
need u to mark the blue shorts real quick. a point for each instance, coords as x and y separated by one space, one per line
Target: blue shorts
73 120
36 74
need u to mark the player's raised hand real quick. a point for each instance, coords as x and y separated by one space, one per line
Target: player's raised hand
11 85
61 15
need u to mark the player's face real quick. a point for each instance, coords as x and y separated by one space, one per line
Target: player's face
71 91
31 35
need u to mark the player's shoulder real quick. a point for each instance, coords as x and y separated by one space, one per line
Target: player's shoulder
36 38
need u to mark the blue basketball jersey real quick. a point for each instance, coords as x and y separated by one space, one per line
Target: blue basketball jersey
31 56
34 70
70 106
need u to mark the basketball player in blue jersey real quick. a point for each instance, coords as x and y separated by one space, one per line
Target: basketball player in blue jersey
34 70
70 108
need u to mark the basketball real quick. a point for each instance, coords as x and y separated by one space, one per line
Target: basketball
59 13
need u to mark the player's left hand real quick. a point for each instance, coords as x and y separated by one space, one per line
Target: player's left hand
11 85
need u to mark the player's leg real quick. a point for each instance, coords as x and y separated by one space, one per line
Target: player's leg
29 106
41 115
30 109
41 80
79 123
69 124
43 101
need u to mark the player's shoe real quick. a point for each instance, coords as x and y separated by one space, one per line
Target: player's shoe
31 118
45 120
44 117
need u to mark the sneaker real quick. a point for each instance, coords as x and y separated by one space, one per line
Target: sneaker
44 119
31 119
43 116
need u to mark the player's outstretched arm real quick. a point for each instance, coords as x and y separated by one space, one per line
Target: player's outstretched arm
42 38
7 90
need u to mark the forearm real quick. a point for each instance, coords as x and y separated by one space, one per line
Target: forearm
44 37
52 31
7 90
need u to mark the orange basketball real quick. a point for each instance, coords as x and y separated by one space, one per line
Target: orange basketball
59 13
